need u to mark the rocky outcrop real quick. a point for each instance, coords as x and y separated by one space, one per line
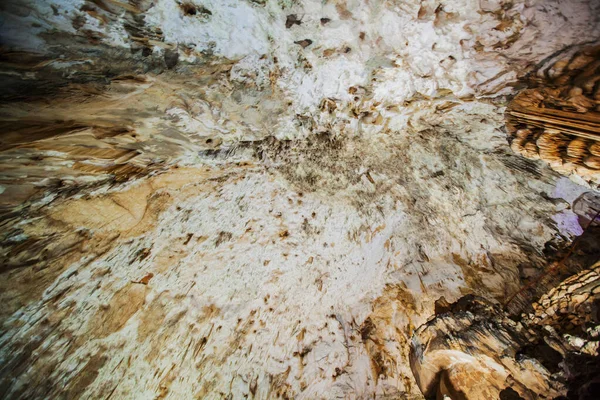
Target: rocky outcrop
572 306
473 350
262 198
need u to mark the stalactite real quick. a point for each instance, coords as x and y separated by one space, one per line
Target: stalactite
272 198
558 119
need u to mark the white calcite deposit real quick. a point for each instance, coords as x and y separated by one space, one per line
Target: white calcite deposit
262 198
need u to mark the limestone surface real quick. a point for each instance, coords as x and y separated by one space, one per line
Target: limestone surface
266 198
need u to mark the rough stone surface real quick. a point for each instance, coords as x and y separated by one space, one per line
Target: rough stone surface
573 303
559 121
262 198
473 350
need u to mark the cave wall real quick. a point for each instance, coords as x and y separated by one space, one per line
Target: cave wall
262 198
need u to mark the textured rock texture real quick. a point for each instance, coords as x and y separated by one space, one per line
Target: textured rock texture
264 198
572 305
559 122
98 91
473 350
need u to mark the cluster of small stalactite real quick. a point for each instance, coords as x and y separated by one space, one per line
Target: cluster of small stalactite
558 120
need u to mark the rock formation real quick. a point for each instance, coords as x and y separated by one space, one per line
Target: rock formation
474 350
266 198
559 122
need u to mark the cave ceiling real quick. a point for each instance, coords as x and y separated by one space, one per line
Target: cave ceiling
269 198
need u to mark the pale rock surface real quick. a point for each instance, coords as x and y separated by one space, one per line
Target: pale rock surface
199 202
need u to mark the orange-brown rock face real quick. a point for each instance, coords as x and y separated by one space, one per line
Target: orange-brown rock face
266 198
